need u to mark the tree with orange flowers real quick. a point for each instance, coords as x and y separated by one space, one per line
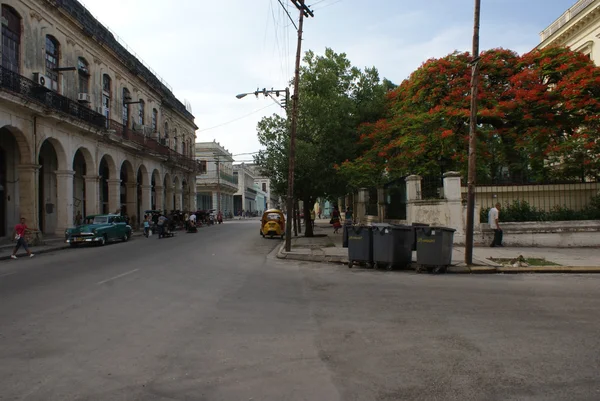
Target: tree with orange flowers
537 120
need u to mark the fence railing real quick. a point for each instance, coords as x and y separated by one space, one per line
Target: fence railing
28 89
568 15
432 187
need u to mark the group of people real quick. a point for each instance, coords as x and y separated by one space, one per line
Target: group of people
163 224
336 219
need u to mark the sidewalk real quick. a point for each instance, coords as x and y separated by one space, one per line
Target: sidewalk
51 244
327 247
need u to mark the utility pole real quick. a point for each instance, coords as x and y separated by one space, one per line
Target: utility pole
218 184
473 138
304 11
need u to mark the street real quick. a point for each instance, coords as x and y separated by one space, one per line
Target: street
215 316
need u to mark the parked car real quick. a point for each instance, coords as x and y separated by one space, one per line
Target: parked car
99 230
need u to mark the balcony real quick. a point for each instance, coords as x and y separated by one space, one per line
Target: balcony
30 91
210 179
568 15
33 92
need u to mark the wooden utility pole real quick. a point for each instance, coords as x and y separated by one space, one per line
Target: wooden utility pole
473 138
304 11
218 184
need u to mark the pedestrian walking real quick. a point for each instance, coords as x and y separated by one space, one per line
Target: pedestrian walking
335 220
312 217
348 216
494 222
19 236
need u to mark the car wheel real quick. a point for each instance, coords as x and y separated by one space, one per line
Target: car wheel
102 241
125 237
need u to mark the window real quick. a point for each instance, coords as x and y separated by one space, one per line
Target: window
175 143
264 187
84 75
52 61
106 95
166 136
126 98
141 112
11 39
154 120
203 167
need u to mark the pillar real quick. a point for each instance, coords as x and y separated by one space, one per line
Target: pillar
92 194
452 188
381 202
28 194
146 201
64 200
361 205
114 195
131 200
169 199
159 196
178 199
413 188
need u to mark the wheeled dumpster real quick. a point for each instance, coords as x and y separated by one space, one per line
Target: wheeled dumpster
392 246
360 245
414 227
434 247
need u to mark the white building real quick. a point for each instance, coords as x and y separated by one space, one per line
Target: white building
264 184
245 196
577 28
84 125
216 183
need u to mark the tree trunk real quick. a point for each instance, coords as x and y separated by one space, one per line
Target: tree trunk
295 218
308 231
298 217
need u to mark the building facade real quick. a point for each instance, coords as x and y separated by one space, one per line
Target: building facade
216 184
245 196
84 125
578 28
264 184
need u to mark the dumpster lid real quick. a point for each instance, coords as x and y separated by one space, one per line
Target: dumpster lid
438 228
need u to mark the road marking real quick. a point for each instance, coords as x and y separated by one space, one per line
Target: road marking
7 274
116 277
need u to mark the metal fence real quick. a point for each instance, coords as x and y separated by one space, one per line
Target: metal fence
539 201
432 187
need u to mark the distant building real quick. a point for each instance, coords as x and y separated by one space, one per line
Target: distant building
264 184
245 197
216 184
578 28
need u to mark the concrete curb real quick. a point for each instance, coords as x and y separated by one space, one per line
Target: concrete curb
282 254
52 248
522 270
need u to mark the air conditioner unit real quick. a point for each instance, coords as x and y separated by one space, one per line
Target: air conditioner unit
84 97
42 80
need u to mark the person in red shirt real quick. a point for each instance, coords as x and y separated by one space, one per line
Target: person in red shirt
20 238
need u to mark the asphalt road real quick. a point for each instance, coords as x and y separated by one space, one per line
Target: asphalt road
214 316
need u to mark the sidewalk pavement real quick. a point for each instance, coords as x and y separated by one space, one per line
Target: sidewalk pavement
51 243
327 247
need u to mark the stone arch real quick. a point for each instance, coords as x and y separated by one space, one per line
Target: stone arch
142 172
177 195
53 201
157 196
84 197
107 171
23 147
128 196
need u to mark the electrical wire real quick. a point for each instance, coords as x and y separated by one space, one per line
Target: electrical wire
327 5
238 118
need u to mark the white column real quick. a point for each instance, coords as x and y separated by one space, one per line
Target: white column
452 186
159 196
114 195
413 188
178 199
92 194
169 199
146 201
64 200
28 194
131 199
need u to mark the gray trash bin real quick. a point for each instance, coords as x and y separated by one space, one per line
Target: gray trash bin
414 227
345 235
392 246
434 246
360 245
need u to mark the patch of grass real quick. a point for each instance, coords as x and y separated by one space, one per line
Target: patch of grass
529 261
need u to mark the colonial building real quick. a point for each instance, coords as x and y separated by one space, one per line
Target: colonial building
264 183
245 197
216 184
578 28
85 126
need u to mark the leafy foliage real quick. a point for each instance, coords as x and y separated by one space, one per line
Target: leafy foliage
519 211
538 119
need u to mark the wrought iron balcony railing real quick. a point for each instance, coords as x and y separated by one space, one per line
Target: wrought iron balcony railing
31 91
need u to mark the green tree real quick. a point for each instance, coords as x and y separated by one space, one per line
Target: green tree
335 99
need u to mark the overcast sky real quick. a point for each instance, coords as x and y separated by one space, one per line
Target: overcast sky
211 50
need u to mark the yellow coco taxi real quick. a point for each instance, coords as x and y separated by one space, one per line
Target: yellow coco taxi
272 223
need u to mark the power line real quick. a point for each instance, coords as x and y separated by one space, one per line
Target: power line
288 14
236 119
327 5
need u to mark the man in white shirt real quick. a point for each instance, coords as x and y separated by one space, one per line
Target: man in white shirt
193 218
494 222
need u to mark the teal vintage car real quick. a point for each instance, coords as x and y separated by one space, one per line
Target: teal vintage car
99 230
